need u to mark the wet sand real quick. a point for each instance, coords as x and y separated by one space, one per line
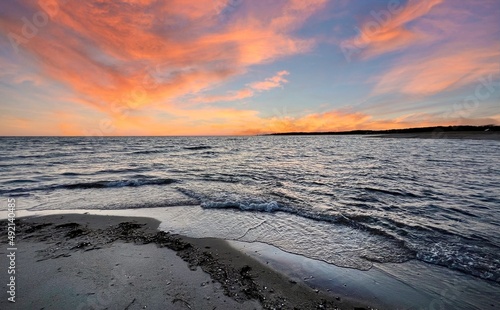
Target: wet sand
79 261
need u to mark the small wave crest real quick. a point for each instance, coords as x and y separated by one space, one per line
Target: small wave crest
118 183
146 152
119 171
199 147
271 206
95 185
391 192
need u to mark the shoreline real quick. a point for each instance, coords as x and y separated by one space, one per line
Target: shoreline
275 278
460 135
50 247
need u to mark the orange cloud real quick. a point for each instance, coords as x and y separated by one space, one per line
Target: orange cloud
440 71
201 121
136 61
336 120
228 121
328 121
231 96
463 53
120 57
386 30
276 81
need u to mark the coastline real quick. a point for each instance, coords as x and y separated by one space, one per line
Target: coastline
286 280
471 135
83 261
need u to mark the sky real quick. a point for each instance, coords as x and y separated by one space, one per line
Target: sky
241 67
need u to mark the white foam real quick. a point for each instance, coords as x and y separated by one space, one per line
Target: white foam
271 206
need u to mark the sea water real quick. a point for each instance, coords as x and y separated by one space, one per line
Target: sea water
351 201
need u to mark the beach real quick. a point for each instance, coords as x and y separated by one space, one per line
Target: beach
78 261
304 222
221 155
87 261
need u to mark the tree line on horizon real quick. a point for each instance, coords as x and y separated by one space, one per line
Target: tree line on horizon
459 128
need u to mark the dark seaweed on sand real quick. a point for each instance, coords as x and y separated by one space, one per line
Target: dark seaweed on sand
238 283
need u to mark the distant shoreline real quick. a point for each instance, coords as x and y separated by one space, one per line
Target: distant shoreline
472 135
488 132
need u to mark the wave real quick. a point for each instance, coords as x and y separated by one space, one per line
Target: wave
467 259
19 194
147 152
118 183
200 147
9 165
221 179
257 205
113 171
96 185
251 206
463 212
20 181
71 174
106 171
389 192
37 156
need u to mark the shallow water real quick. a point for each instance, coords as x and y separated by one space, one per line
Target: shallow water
418 285
350 201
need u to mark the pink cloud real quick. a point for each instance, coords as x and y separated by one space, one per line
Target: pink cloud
276 81
230 96
269 83
337 120
387 30
463 52
440 71
120 57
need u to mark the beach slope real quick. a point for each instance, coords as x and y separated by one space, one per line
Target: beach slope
107 262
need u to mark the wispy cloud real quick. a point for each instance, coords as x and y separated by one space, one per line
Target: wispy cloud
276 81
153 67
387 30
269 83
463 51
441 71
230 96
137 52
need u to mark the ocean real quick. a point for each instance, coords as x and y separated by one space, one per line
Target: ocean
351 201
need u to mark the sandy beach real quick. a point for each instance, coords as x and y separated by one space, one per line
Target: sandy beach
108 262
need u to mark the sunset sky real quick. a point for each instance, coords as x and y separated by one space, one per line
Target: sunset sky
231 67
